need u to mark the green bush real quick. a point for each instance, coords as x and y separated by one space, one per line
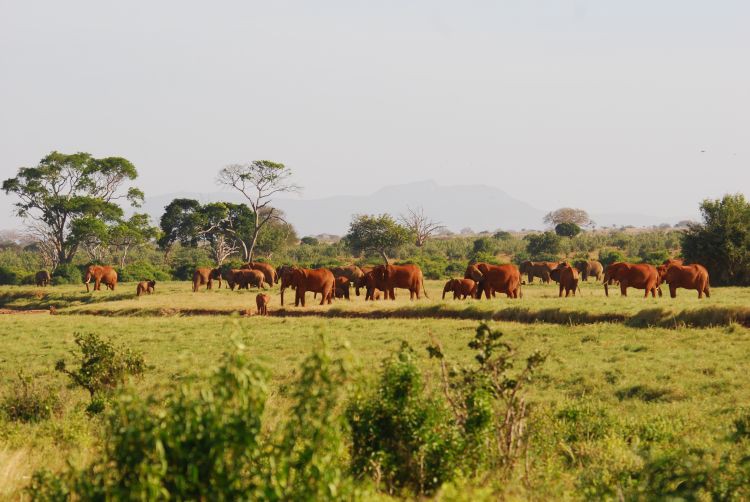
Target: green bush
654 257
608 257
547 243
401 436
210 442
67 273
102 368
9 277
27 402
142 271
186 260
567 229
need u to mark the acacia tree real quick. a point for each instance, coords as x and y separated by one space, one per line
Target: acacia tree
420 225
130 234
64 193
568 215
259 181
380 234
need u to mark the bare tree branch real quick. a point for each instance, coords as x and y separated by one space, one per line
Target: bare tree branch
422 226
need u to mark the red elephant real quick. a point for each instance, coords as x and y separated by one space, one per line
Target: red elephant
567 276
501 278
101 275
400 276
319 280
269 272
687 276
461 288
629 275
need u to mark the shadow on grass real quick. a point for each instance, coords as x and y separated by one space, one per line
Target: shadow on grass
655 317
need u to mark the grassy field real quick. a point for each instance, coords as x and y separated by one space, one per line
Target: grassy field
609 391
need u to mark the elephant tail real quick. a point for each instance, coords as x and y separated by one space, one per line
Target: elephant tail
424 290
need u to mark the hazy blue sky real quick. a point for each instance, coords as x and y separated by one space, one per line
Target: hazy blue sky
556 102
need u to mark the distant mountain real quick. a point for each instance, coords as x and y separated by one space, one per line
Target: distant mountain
478 207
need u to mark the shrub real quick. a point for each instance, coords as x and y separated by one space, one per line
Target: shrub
27 402
502 235
567 229
401 436
608 257
310 241
67 273
654 257
209 443
142 271
9 277
722 241
487 400
102 368
485 246
547 243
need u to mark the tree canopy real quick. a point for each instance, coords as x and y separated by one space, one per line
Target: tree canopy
259 181
72 198
379 234
568 215
567 229
722 241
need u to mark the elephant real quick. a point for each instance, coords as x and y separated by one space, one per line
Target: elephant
501 278
206 276
591 268
42 278
280 271
481 266
461 288
673 261
629 275
401 276
568 279
693 276
244 278
351 272
319 280
101 275
342 287
269 273
262 301
541 269
361 282
373 286
145 287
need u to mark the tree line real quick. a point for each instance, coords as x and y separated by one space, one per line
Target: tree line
72 208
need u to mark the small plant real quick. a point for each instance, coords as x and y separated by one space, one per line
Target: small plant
488 400
102 368
27 402
402 437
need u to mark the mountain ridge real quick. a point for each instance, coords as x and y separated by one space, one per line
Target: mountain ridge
475 206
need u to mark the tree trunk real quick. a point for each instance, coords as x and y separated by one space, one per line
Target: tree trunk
385 257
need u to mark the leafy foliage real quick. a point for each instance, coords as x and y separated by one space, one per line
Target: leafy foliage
209 443
401 437
102 368
71 198
578 217
567 229
722 242
28 402
547 243
379 234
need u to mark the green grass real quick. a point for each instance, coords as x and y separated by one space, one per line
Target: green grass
608 390
540 304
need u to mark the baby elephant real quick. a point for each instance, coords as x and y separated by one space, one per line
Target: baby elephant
145 287
262 301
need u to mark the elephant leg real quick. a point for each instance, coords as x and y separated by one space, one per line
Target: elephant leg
531 278
392 294
561 291
672 291
623 289
324 297
707 292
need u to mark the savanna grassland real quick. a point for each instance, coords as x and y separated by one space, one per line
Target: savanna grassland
625 378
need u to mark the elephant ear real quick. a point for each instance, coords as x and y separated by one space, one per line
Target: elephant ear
476 274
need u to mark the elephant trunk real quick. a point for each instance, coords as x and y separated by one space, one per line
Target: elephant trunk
606 289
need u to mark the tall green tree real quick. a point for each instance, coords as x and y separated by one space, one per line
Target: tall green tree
379 234
259 181
65 194
722 241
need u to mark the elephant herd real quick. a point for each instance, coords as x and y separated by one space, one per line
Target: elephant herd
380 282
